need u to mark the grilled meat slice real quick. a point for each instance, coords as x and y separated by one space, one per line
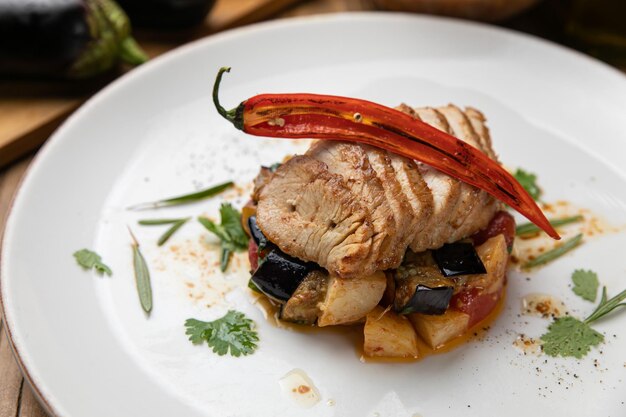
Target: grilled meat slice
311 214
445 190
406 222
354 209
350 161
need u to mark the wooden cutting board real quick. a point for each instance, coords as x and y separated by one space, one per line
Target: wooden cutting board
30 111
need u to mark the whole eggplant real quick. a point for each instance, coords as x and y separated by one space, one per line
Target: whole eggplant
64 38
167 14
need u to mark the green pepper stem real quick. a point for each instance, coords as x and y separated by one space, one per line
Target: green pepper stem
235 116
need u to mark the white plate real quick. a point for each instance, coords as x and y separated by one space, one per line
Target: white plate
90 351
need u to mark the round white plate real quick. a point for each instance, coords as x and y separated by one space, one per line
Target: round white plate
88 348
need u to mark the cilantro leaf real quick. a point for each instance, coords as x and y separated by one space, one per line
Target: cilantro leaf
570 337
585 284
91 260
231 222
529 182
230 232
232 333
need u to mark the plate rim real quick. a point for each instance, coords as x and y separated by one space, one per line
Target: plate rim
18 347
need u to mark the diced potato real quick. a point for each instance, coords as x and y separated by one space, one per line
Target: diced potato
348 300
389 335
495 256
438 330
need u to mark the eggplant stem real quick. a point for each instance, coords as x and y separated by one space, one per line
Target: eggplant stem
235 116
131 53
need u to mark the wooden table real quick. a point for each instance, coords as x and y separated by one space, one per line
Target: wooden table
16 397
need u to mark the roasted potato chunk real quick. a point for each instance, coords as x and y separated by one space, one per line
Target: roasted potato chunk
389 335
438 330
348 300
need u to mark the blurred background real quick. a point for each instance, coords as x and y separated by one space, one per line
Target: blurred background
55 54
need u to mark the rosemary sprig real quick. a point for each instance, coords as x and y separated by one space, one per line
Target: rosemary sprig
606 306
142 276
169 232
176 224
157 222
530 228
554 253
184 199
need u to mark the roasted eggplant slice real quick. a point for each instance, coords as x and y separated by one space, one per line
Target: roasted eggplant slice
279 275
256 233
458 258
303 306
422 290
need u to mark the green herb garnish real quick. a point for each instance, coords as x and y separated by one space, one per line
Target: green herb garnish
158 222
184 199
606 306
232 236
585 284
176 224
91 260
557 252
169 232
568 336
274 166
253 286
142 276
529 182
530 228
232 333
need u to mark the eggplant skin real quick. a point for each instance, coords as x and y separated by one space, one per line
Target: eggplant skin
41 36
279 275
167 14
433 301
256 233
458 258
422 289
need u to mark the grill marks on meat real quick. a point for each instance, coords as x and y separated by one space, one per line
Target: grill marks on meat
311 214
354 209
350 161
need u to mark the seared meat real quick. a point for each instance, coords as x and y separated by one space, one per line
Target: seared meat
311 214
355 209
351 162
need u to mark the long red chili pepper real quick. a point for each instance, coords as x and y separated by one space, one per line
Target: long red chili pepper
347 119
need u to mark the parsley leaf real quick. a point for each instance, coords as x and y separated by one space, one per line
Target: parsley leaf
529 182
89 259
232 333
570 337
585 284
230 232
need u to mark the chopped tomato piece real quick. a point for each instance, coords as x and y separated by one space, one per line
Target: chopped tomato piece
476 303
502 223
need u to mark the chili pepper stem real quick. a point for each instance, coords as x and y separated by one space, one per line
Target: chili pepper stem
235 116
